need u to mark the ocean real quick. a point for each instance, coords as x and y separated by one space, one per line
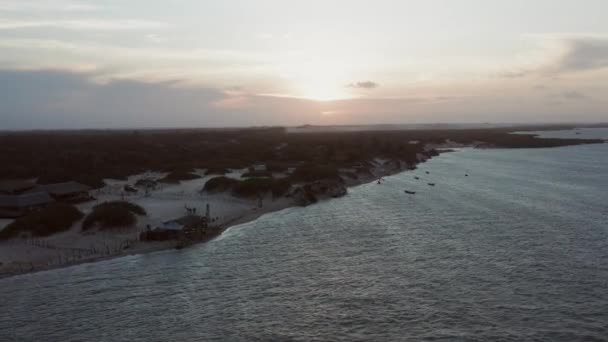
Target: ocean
516 251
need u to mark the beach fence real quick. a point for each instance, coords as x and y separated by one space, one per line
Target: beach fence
68 255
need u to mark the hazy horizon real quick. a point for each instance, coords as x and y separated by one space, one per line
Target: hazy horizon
76 64
332 128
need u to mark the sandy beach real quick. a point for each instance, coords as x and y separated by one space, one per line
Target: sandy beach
163 203
166 202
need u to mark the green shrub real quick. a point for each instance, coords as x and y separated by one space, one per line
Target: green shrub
216 171
219 184
251 187
280 187
274 166
112 215
257 174
310 173
350 175
177 176
53 219
260 186
132 207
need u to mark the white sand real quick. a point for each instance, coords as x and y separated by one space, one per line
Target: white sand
169 201
165 203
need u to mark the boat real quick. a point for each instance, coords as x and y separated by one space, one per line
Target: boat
427 172
416 177
466 175
431 184
410 192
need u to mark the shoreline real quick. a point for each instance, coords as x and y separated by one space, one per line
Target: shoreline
383 169
150 247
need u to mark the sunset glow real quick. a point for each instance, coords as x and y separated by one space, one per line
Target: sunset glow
316 80
273 62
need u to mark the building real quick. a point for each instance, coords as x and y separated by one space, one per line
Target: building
189 227
13 206
72 192
187 223
15 187
19 197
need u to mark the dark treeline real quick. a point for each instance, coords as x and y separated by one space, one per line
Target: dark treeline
88 157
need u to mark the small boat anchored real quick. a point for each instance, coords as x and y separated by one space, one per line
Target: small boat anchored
410 192
431 184
416 177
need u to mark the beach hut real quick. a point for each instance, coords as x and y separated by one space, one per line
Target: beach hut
191 227
13 206
65 192
15 186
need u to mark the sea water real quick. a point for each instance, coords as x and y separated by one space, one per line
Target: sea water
515 251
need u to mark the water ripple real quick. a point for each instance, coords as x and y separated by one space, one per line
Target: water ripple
517 251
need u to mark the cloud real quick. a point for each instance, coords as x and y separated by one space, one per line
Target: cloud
55 99
562 54
149 63
91 49
364 85
584 53
83 24
46 5
571 95
155 38
514 74
48 99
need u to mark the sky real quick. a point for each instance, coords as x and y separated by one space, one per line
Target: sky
204 63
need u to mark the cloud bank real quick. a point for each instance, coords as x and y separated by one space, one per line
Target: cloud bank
583 54
54 99
364 85
83 24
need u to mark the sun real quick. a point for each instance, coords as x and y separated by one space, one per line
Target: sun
321 89
315 80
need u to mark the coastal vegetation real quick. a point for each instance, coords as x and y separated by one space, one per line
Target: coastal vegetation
256 174
311 172
298 168
177 176
112 215
251 187
277 166
91 156
216 171
260 186
50 220
219 184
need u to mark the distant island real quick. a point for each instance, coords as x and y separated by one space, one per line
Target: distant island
78 196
